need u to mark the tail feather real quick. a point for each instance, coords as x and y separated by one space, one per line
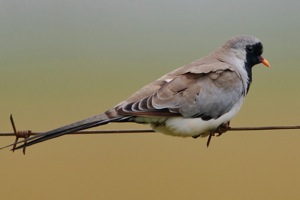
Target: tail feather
97 120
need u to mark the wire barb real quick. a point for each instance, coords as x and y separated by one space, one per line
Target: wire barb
19 134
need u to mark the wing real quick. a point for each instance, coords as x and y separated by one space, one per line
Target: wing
207 94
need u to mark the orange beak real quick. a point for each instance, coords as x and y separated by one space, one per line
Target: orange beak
264 61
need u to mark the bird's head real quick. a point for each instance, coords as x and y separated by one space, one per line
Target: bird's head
248 48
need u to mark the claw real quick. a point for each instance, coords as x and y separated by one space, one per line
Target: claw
218 132
211 133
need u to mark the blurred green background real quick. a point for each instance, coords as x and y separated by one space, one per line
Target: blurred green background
62 61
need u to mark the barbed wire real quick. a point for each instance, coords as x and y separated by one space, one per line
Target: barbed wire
260 128
27 133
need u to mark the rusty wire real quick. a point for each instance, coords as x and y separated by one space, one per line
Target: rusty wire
27 133
260 128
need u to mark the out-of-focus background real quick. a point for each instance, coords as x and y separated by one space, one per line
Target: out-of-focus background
62 61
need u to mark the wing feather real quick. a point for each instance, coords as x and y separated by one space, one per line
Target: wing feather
192 94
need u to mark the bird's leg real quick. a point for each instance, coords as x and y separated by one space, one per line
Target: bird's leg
220 130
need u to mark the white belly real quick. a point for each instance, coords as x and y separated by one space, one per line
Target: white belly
187 127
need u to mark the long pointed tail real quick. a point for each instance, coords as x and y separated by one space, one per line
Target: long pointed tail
97 120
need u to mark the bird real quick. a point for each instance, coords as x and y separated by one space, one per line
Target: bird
197 99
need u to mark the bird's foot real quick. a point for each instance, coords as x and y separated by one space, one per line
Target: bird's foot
222 129
196 136
218 132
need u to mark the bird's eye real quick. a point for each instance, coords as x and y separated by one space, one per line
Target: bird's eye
249 49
